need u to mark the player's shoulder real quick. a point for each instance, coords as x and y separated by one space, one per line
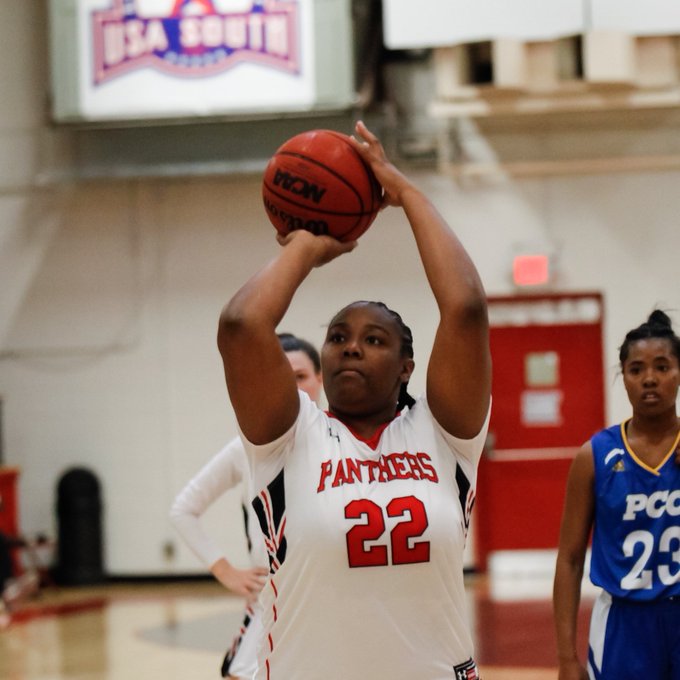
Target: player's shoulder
232 456
419 410
310 411
608 450
607 439
233 448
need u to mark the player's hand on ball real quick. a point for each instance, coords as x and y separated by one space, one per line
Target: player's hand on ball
393 182
325 248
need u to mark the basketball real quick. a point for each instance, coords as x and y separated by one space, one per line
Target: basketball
317 181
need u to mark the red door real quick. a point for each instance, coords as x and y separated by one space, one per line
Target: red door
547 385
548 399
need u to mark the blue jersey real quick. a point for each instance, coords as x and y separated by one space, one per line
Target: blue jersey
636 536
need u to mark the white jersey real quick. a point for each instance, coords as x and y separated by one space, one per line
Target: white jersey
226 470
365 541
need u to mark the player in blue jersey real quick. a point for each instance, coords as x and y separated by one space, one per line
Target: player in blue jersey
624 485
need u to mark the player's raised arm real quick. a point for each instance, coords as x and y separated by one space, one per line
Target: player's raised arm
459 371
260 381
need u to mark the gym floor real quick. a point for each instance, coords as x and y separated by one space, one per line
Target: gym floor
179 630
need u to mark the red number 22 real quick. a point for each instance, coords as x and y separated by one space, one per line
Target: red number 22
359 555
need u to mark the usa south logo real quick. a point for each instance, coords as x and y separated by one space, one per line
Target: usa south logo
194 38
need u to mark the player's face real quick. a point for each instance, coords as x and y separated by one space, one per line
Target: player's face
363 365
308 380
651 376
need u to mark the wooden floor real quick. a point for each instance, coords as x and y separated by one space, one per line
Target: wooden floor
179 631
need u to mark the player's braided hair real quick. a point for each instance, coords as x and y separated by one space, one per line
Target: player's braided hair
658 325
404 399
291 343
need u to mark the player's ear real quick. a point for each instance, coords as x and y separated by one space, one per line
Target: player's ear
407 369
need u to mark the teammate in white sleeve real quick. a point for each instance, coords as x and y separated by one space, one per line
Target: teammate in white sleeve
227 470
364 508
624 485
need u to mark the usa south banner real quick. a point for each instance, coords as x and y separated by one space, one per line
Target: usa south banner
179 58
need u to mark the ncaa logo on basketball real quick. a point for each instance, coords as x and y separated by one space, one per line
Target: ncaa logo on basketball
298 186
192 38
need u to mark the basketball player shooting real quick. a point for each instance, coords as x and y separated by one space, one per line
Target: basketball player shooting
365 507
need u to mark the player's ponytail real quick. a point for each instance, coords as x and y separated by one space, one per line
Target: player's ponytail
405 399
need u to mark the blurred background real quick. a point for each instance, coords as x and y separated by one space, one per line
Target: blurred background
133 138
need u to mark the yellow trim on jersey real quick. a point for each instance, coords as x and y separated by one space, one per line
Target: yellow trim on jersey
653 470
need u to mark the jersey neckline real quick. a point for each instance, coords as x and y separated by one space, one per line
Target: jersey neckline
641 463
374 439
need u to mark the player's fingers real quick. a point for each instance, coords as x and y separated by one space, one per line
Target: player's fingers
256 580
241 590
361 129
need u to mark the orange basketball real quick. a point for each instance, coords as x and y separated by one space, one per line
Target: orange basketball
316 181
